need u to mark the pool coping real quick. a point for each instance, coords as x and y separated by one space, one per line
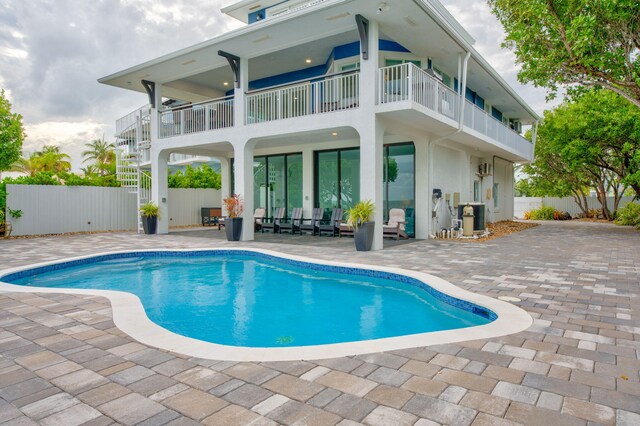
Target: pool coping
130 317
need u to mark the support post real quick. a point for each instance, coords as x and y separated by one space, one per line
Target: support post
160 187
243 184
234 63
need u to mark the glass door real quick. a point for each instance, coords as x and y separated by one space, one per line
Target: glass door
399 182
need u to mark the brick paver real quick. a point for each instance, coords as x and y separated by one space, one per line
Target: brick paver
63 361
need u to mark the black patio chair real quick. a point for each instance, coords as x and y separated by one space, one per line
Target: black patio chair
332 225
273 223
293 223
316 217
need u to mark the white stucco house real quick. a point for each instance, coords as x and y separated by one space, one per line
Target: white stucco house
321 103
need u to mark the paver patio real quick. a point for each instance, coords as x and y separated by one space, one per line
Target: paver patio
62 361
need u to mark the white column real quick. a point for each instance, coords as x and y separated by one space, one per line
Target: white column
371 135
423 192
307 181
225 180
243 184
160 187
239 94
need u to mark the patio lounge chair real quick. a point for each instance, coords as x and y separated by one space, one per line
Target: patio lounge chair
273 223
293 223
332 225
316 216
395 226
345 230
258 218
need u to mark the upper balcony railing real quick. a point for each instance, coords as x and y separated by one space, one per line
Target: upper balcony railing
478 120
407 82
193 118
333 93
294 8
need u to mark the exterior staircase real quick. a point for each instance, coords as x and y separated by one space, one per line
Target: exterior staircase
133 141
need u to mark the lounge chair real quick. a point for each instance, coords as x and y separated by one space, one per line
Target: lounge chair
345 230
395 226
293 223
273 223
316 216
332 225
258 218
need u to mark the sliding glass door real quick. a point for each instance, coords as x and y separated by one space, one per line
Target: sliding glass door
337 180
399 182
277 182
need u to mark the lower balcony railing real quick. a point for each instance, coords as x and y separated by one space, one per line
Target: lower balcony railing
332 93
193 118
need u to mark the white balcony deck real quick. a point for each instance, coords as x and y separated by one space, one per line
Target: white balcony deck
338 92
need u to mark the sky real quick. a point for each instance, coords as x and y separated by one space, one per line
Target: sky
53 51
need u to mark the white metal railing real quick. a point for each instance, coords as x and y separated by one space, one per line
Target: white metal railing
333 93
194 118
407 82
484 123
294 8
129 120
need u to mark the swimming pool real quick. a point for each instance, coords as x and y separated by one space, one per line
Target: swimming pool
254 300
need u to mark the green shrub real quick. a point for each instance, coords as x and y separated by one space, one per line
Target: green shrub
543 213
629 215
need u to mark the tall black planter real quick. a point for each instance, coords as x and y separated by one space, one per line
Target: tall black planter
149 224
363 236
233 228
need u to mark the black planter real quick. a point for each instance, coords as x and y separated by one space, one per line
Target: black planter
363 236
149 224
233 228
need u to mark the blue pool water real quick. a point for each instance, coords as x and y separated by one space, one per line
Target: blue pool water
254 300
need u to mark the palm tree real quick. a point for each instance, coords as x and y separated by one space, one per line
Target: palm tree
102 153
49 159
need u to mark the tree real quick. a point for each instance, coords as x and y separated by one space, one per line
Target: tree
102 153
591 142
580 43
11 134
49 159
201 177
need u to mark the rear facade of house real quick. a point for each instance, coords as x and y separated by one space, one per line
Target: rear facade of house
324 103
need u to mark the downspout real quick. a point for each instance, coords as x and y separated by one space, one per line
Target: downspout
462 89
534 138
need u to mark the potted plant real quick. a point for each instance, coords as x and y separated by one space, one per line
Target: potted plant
150 214
5 226
233 223
360 218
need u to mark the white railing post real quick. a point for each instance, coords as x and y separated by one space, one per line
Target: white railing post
410 82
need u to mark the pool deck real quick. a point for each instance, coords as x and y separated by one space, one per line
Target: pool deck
62 360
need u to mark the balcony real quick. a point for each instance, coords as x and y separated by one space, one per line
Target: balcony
335 92
407 82
194 118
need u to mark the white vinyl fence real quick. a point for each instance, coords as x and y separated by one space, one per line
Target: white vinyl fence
566 204
50 209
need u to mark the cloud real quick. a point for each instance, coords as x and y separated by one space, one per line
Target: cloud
53 51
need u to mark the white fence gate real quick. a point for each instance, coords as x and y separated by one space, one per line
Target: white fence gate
51 209
566 204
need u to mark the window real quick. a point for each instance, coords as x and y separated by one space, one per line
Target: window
496 205
391 62
399 182
446 80
476 191
350 67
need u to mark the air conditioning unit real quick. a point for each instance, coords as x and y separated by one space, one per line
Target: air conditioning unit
484 169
